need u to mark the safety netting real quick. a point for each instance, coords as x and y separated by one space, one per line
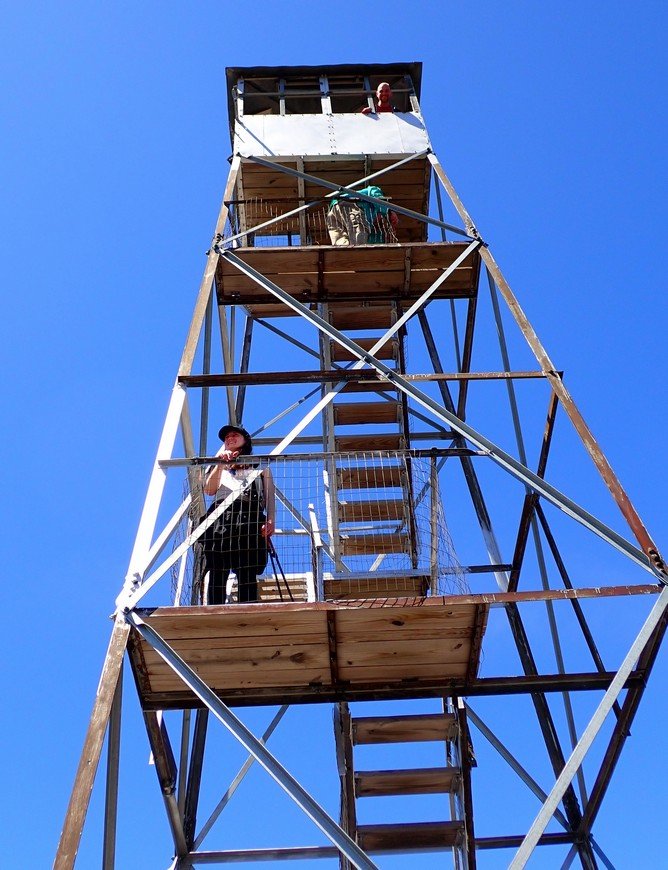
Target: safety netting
345 525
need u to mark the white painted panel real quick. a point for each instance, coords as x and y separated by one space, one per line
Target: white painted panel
289 135
398 133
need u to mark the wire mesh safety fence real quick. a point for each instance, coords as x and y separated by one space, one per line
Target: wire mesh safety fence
345 526
324 222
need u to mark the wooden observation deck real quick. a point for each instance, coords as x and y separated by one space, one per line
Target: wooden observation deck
325 273
361 649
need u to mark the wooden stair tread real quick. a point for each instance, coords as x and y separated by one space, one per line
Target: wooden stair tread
368 386
408 836
340 353
380 542
381 587
267 310
360 413
269 591
360 511
426 780
344 443
404 729
369 477
360 316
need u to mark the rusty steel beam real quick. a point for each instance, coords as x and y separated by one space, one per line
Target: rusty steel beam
526 518
467 353
341 374
547 435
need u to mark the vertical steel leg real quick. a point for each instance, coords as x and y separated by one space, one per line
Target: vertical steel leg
111 796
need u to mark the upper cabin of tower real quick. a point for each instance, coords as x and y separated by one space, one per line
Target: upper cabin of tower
309 110
319 123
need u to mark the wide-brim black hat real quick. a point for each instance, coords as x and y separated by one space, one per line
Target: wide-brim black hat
248 446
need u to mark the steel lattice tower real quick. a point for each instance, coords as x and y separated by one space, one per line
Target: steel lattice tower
405 530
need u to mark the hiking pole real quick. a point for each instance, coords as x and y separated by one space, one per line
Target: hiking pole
276 567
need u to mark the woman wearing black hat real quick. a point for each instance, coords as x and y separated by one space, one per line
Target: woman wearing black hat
237 540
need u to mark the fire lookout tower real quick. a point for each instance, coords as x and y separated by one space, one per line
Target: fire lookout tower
356 309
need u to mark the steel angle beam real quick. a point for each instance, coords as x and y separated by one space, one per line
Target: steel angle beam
340 188
589 734
496 453
324 326
254 746
77 809
236 782
586 436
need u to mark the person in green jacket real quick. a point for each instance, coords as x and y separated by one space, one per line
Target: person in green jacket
354 221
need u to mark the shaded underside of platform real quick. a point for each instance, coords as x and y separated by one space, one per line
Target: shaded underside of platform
304 653
329 274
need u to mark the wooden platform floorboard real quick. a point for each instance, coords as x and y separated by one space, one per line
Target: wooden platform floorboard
346 274
305 652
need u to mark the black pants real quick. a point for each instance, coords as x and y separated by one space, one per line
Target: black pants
234 543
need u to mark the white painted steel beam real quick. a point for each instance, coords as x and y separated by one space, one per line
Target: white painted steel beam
155 488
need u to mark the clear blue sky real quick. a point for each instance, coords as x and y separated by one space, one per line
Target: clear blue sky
550 120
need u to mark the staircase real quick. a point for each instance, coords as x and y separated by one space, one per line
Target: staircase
449 729
371 512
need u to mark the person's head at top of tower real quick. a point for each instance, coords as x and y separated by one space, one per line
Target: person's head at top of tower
237 440
383 100
384 97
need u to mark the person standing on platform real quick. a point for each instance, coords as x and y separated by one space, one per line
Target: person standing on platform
354 221
237 540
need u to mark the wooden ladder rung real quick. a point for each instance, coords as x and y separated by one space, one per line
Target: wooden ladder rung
353 413
343 443
381 542
427 780
340 353
408 836
404 729
369 477
361 511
